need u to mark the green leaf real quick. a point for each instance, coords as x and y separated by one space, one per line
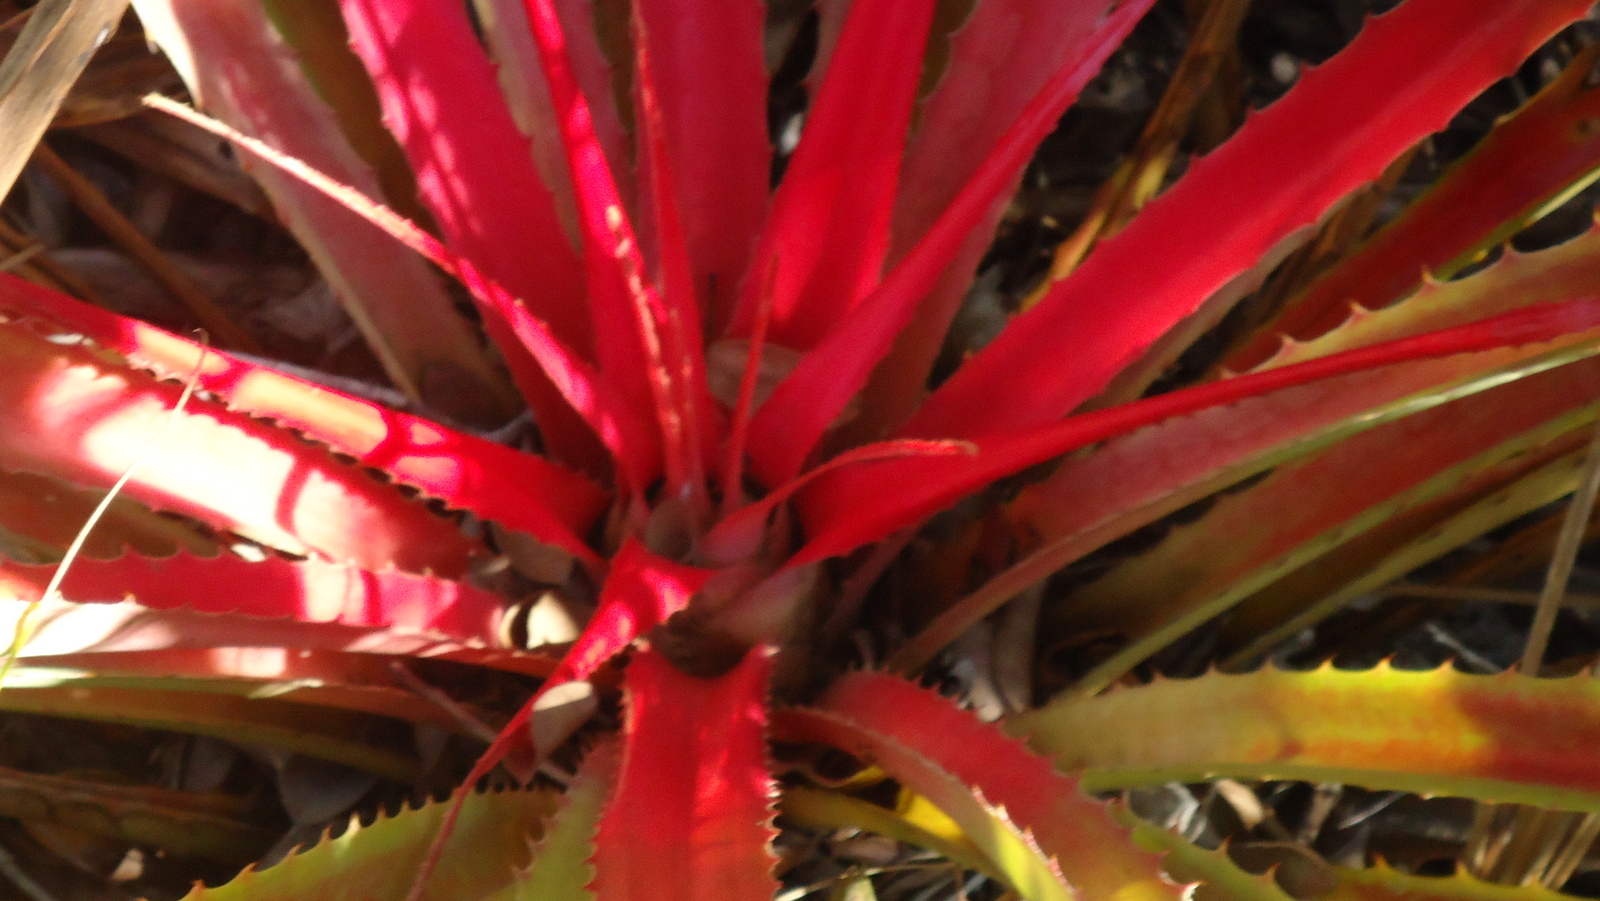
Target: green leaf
377 862
1503 738
561 866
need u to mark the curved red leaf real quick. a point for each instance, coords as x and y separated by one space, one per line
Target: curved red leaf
1088 844
1004 53
620 303
440 99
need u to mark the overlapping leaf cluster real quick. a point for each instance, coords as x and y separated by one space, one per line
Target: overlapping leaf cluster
731 386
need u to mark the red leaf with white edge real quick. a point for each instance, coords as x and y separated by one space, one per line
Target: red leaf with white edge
1088 844
706 64
307 591
492 481
807 402
440 99
71 415
692 813
829 230
1004 53
1402 78
846 508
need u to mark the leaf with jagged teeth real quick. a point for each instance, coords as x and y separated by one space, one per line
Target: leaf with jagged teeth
1303 510
1169 272
561 867
401 308
494 482
307 591
1008 847
1532 160
72 415
1218 878
1515 281
927 743
1382 882
692 813
1505 737
40 516
1176 461
362 683
1134 479
252 712
376 862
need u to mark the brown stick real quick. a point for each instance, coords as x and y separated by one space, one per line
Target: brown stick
100 210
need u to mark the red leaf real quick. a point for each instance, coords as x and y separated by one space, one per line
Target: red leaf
620 426
311 591
672 335
510 41
71 414
847 508
627 338
829 229
1531 158
440 99
692 813
641 591
402 308
1401 79
807 402
67 630
1004 53
1134 479
707 68
492 481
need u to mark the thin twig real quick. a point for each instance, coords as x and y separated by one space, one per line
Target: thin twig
20 878
104 214
1555 583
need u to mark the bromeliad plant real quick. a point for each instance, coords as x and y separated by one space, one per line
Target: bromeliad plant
731 390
